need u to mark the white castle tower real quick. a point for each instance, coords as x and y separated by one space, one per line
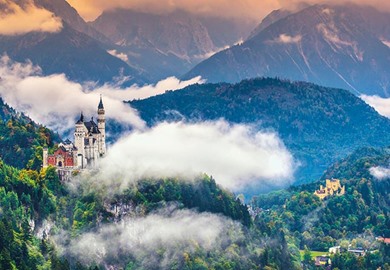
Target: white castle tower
79 141
102 128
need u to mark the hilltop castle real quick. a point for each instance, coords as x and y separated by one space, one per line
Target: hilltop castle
333 187
89 145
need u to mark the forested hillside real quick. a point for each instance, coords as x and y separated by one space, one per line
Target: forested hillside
49 224
356 218
319 125
22 140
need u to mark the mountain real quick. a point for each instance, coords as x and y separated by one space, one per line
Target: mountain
176 41
344 46
78 50
68 14
319 125
77 55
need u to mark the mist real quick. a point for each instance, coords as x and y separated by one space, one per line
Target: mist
381 105
56 102
18 20
253 10
237 156
380 173
156 240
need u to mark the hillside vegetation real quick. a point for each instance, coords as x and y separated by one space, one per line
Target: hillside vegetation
319 125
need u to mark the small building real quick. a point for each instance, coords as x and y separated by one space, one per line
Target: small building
383 240
332 187
358 252
323 261
335 250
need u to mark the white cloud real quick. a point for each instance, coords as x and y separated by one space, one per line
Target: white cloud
380 173
121 56
56 102
235 155
143 92
286 39
381 105
243 9
155 240
17 20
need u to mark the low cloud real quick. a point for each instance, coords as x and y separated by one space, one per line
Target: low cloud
56 102
237 157
248 9
287 39
18 20
253 10
155 240
381 105
121 56
380 173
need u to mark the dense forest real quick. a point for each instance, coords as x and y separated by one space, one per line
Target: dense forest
356 218
21 140
319 125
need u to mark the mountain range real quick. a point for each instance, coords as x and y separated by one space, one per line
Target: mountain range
121 43
344 46
76 50
165 45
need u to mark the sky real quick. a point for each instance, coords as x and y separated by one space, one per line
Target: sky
16 20
239 9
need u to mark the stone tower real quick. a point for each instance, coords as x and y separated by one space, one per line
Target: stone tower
45 157
79 141
102 128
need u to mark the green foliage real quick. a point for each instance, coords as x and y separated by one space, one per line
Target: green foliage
319 125
204 195
22 140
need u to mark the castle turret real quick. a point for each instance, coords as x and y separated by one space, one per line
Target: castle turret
102 128
45 157
79 136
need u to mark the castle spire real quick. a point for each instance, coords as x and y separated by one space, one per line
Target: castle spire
81 120
101 103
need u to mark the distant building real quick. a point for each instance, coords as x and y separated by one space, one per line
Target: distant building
89 145
335 250
357 251
383 240
323 261
333 187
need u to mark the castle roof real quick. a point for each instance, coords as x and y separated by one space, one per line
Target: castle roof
101 103
67 142
81 119
92 127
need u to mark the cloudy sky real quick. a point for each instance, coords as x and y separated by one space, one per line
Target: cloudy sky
250 9
16 20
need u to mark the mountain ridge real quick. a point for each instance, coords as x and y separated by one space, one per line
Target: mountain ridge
318 124
335 46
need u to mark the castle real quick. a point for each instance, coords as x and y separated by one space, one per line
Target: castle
89 145
333 187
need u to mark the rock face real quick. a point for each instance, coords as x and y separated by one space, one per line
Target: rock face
338 46
167 44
